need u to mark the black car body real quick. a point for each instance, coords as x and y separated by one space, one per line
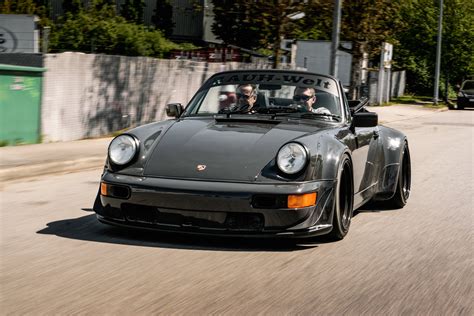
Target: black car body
213 172
466 95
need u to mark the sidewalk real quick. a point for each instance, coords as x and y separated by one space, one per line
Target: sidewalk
18 162
33 160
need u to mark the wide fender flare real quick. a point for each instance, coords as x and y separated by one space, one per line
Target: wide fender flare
393 142
326 154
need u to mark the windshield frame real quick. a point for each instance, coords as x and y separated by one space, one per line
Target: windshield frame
319 82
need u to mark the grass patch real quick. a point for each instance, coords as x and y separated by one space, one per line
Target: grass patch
425 101
440 105
413 99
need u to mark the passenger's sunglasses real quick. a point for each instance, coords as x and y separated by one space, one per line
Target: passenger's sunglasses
243 96
304 98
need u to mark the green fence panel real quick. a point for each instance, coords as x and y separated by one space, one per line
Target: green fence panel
20 104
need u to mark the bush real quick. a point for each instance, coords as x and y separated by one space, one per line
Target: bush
101 31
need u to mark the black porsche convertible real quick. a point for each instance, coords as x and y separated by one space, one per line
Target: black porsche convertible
267 153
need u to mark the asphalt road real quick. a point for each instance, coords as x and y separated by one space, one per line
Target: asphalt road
57 259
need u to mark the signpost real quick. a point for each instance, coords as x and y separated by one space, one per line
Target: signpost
383 91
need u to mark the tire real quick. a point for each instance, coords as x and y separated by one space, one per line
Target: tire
344 198
97 203
402 193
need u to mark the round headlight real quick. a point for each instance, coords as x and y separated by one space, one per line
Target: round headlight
122 149
291 158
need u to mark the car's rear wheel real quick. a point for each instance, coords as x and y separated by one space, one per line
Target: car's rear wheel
344 194
402 193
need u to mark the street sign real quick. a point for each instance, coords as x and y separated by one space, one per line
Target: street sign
387 53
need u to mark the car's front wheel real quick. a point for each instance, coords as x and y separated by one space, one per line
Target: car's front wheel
344 194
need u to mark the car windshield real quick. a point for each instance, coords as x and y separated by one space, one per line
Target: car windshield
272 93
468 85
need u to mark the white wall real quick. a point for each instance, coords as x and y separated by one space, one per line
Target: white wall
86 95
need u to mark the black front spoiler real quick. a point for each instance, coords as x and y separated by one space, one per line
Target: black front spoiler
316 230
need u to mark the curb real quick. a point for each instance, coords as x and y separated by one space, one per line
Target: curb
21 172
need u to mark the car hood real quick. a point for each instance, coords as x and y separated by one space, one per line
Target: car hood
221 150
468 91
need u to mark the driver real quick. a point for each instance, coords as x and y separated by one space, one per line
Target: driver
307 97
246 97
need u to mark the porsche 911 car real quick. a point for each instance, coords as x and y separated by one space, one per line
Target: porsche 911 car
262 153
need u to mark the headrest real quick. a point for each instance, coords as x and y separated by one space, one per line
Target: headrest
262 101
325 100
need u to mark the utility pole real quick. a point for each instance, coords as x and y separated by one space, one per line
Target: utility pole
438 53
45 45
336 29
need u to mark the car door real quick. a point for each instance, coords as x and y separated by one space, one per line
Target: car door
364 158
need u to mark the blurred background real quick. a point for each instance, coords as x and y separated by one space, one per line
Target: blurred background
75 69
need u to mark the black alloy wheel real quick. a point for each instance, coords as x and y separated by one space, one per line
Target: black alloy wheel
402 193
344 195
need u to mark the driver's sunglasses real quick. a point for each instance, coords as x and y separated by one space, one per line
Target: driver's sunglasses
303 97
244 96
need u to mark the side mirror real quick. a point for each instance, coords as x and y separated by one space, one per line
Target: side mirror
174 109
357 105
365 119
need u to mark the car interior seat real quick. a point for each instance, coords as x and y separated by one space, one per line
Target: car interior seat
262 101
326 100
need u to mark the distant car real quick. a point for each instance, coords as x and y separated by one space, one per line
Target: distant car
281 171
466 95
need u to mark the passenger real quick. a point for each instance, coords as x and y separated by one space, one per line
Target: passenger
307 97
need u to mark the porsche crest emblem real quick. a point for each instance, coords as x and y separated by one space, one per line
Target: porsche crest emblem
200 167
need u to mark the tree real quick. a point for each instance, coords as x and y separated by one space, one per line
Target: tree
72 6
457 62
416 47
163 17
367 24
132 10
98 29
18 7
255 24
235 23
416 50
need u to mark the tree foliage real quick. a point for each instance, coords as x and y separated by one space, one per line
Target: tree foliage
367 24
255 24
132 11
31 7
458 43
72 6
162 18
416 51
98 29
411 25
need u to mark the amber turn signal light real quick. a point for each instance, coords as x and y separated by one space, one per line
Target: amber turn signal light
301 200
103 189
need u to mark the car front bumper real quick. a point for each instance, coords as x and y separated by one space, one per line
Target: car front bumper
216 208
467 101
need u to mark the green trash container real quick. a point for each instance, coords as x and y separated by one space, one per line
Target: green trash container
20 104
